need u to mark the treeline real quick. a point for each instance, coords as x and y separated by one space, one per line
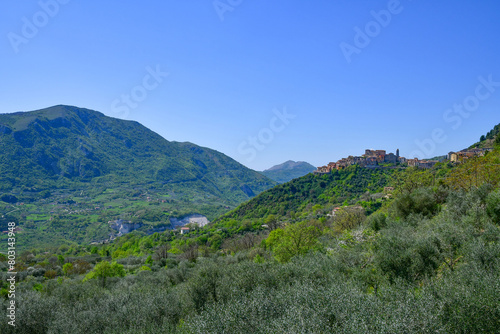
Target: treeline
492 134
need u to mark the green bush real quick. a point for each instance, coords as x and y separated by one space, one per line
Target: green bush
421 201
402 253
296 239
493 206
377 221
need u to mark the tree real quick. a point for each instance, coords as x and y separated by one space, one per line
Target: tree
348 218
161 252
403 253
493 206
190 252
50 274
293 240
215 241
377 221
420 201
103 270
68 268
272 222
79 267
475 172
411 179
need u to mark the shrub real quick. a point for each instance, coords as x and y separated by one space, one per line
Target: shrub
294 240
377 221
402 253
103 270
421 201
50 274
348 218
493 205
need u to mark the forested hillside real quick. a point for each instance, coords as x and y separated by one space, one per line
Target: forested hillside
428 260
299 195
67 171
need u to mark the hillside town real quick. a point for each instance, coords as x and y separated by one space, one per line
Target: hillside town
382 159
461 156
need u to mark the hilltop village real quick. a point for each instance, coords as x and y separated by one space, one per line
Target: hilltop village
381 159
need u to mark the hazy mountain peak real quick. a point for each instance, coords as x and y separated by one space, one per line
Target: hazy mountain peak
290 164
288 171
79 144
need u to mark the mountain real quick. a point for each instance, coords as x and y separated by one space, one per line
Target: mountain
288 171
78 159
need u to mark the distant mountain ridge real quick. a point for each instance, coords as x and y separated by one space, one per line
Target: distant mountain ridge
288 171
95 161
79 144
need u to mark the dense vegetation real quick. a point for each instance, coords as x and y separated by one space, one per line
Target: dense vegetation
66 171
325 191
427 260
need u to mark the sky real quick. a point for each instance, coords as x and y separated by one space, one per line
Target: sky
265 81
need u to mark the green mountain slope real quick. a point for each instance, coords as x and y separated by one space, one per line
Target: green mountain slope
288 171
77 159
299 195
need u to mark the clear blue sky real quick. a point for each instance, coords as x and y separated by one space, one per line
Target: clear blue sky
228 78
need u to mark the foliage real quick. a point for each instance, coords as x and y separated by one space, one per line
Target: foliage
348 218
103 270
493 206
377 221
67 268
298 197
293 240
475 172
421 201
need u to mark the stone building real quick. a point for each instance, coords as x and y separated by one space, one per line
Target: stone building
391 158
463 155
371 158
